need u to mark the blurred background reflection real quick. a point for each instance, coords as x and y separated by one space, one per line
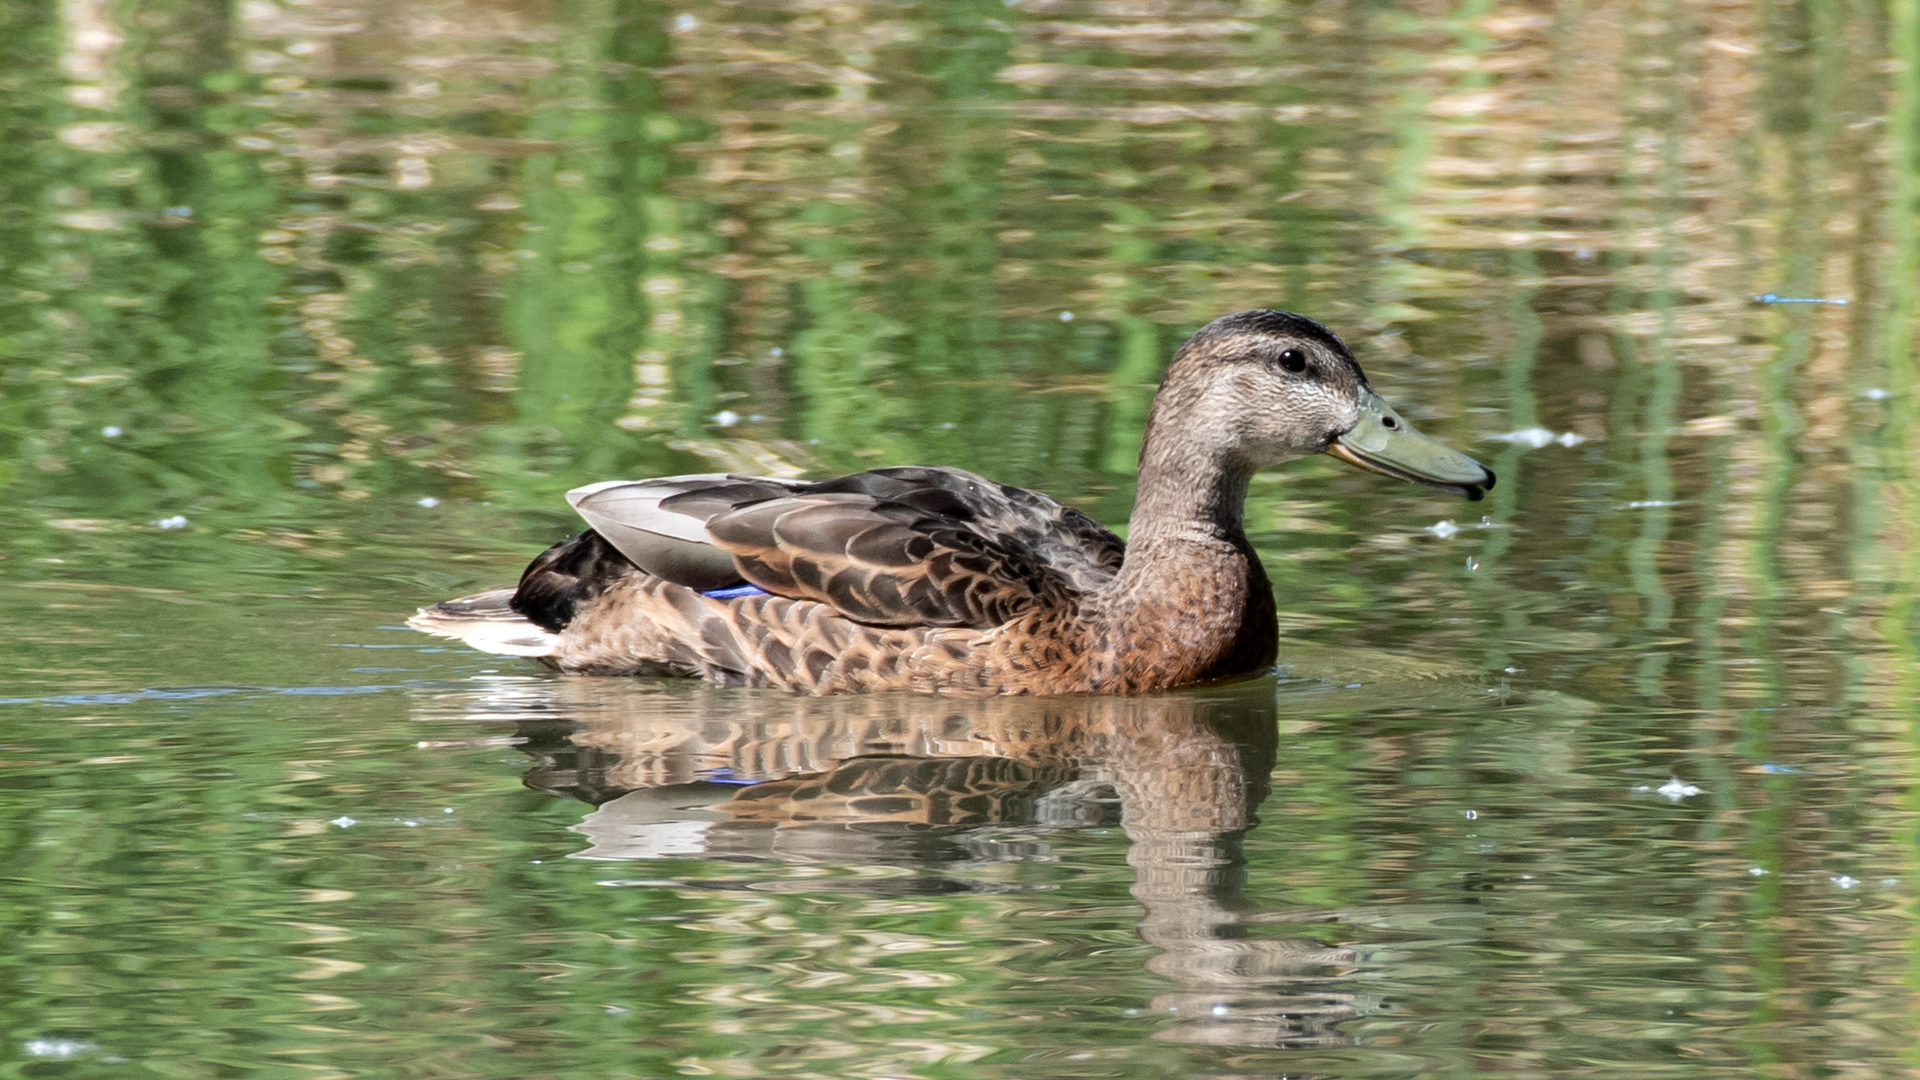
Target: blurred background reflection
310 310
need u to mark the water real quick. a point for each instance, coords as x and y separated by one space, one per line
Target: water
309 312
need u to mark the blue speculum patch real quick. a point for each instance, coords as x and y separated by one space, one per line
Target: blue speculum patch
734 591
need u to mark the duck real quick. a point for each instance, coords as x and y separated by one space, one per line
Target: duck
936 580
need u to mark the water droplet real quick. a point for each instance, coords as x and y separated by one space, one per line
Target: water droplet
344 822
1066 316
1675 789
1473 815
1445 530
429 502
1757 871
1472 564
111 431
170 523
1220 1010
57 1048
1844 881
1535 437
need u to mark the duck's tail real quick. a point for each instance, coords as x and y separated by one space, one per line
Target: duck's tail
487 622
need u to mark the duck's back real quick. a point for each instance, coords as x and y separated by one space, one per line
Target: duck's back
902 578
901 547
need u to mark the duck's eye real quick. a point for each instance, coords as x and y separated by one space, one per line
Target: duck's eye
1389 423
1294 360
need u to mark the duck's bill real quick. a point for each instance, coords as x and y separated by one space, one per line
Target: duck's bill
1383 442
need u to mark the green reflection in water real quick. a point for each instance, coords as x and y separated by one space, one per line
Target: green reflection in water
1900 444
475 262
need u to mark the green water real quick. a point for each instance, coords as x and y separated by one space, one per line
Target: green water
309 313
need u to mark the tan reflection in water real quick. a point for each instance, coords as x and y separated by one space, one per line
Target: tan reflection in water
682 772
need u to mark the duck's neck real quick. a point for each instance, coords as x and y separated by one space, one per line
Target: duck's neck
1191 601
1188 492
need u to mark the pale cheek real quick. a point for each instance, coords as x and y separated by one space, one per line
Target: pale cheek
1310 414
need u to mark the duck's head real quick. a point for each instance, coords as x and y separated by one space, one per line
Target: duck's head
1273 386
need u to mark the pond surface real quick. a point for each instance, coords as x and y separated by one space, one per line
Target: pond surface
311 310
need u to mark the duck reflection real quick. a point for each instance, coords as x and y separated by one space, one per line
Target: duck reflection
686 772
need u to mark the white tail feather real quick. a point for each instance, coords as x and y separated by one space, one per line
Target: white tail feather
484 621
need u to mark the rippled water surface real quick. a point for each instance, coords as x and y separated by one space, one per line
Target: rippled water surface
310 310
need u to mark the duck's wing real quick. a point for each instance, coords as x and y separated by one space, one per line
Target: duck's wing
881 562
892 547
1059 537
661 525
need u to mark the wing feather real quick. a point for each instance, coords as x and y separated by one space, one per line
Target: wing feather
880 562
901 547
660 525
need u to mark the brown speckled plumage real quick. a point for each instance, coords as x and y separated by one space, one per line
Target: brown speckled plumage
937 580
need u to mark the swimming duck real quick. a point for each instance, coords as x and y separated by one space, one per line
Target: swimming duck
938 580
